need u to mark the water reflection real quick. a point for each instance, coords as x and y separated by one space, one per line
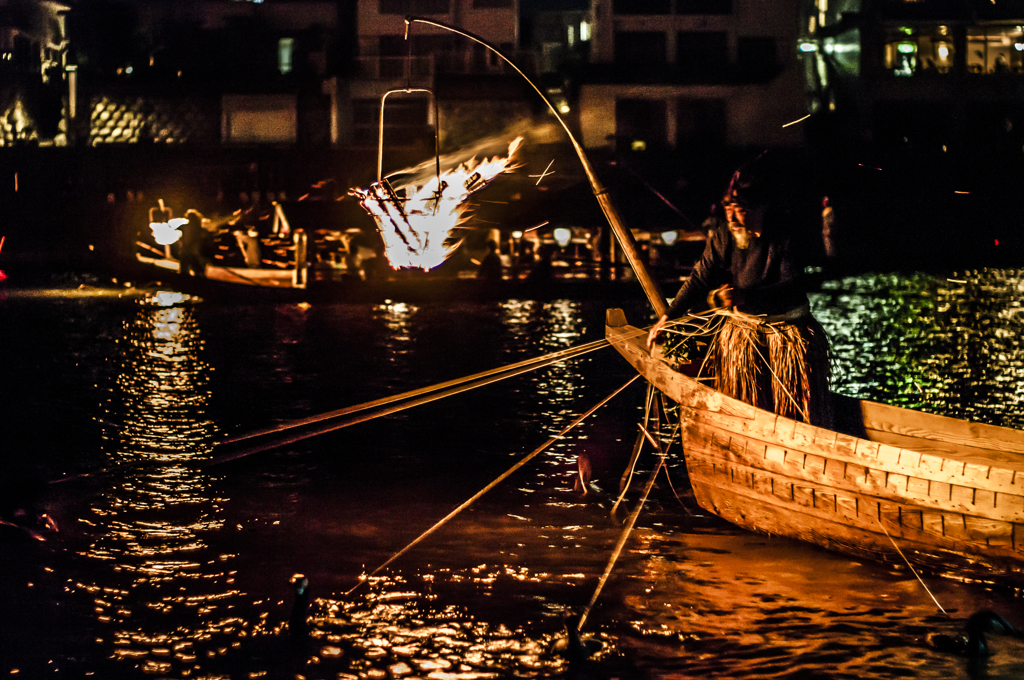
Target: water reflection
397 317
949 346
547 327
173 580
149 526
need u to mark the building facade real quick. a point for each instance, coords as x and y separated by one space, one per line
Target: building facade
692 73
474 92
946 77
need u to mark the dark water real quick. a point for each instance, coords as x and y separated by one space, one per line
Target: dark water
167 568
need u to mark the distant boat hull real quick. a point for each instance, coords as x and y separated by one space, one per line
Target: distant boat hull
262 277
947 493
411 286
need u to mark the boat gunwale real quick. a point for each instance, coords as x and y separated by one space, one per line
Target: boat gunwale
1010 460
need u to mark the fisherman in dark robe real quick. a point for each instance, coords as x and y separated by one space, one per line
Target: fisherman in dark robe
191 256
769 351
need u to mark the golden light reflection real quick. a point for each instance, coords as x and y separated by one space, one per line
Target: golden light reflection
151 523
397 317
540 327
380 635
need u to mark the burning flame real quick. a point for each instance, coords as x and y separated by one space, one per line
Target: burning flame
417 222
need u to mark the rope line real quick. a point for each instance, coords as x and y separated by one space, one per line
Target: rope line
541 361
637 447
622 542
388 405
911 567
533 454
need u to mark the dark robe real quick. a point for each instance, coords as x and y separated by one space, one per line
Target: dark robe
766 276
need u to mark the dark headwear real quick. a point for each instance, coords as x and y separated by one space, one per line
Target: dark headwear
748 186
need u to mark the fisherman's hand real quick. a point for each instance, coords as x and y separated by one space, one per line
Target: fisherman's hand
720 297
655 330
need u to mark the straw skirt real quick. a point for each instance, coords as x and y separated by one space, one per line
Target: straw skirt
781 366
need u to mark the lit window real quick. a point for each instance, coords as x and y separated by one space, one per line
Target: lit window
285 48
995 49
584 31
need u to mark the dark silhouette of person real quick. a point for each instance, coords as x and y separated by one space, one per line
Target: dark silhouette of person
542 269
191 255
491 266
249 244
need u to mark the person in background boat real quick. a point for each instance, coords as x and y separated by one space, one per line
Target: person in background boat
491 266
249 243
191 256
543 269
769 351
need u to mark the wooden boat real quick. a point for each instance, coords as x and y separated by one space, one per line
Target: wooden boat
946 493
289 273
263 277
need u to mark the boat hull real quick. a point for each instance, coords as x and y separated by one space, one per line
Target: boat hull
946 494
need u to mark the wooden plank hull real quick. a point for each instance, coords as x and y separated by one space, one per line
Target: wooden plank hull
263 277
948 493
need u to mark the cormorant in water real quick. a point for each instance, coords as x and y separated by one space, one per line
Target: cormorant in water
573 646
297 623
973 644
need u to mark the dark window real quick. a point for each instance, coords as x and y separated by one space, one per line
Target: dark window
400 111
639 48
702 53
406 119
483 4
700 122
444 50
392 46
393 50
480 54
408 111
703 6
414 7
757 57
640 121
365 112
642 6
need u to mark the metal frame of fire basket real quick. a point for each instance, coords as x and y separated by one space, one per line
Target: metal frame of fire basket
623 235
437 126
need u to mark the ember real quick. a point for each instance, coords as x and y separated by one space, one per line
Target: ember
417 222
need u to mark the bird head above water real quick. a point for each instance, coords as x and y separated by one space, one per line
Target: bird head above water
574 646
973 642
297 624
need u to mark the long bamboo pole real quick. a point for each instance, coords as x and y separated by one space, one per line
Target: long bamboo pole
623 235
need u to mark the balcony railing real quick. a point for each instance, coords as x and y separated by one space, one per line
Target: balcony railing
414 70
421 71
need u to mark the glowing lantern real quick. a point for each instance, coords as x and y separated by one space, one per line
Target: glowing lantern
669 237
562 236
166 233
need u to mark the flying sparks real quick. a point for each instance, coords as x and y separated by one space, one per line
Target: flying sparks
417 222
